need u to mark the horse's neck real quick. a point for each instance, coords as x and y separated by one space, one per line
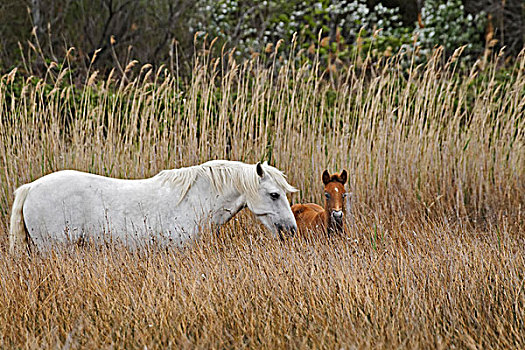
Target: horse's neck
219 208
227 206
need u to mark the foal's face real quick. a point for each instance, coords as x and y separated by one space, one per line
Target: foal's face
335 194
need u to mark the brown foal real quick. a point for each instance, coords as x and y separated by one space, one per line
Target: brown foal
329 219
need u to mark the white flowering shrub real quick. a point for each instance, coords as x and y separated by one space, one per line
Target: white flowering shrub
249 26
349 27
252 25
447 25
379 28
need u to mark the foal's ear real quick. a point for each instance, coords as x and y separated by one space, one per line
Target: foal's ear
259 169
326 177
343 177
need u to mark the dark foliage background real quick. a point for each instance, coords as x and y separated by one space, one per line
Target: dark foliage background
162 31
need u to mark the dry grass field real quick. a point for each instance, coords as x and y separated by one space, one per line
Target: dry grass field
433 255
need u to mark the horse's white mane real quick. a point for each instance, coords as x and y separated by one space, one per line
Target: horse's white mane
223 174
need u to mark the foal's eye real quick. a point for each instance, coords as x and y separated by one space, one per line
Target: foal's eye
345 195
275 195
327 195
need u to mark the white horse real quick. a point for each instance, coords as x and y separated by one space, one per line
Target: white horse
173 206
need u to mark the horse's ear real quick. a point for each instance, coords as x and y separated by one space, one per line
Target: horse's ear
259 169
343 177
326 177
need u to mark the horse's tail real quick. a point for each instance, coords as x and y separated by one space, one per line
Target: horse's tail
17 231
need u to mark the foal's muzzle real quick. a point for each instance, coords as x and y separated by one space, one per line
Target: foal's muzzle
337 215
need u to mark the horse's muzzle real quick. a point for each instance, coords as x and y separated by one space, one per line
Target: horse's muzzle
289 229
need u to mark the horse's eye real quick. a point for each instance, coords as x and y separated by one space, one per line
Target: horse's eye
327 195
345 194
275 195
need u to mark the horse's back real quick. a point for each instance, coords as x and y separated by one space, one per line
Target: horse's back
74 178
308 216
69 205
